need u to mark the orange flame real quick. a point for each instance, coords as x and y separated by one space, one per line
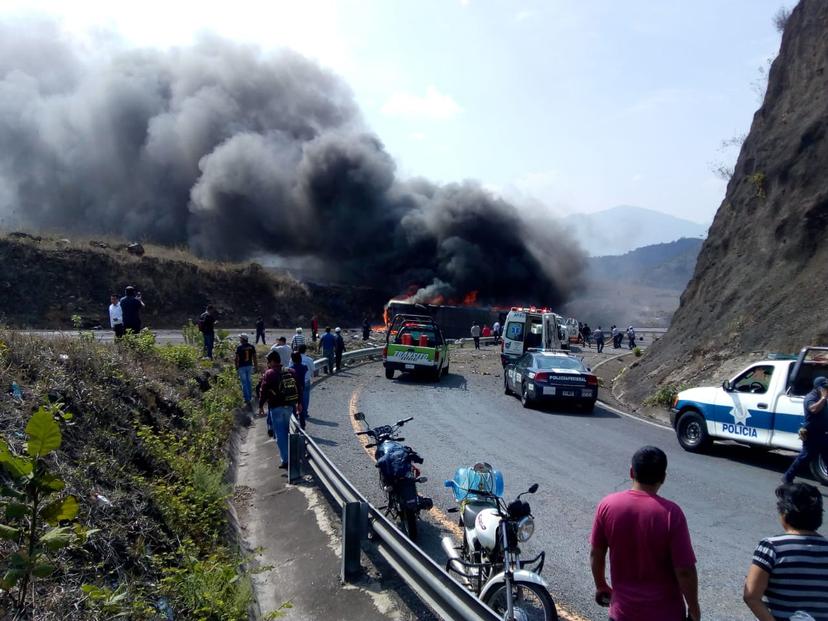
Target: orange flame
470 299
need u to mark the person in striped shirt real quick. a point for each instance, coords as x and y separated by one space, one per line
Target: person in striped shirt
297 340
788 579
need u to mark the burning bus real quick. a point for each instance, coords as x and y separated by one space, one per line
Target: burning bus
455 321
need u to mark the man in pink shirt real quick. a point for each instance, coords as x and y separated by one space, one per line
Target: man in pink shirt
652 565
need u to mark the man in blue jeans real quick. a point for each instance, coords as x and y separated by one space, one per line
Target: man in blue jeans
245 364
814 432
328 345
281 391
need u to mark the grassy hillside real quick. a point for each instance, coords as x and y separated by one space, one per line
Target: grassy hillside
45 281
143 453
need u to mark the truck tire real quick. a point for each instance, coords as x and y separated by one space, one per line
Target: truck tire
435 375
820 469
389 373
691 432
506 390
446 369
588 405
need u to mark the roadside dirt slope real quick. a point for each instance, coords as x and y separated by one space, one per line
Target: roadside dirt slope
760 283
43 282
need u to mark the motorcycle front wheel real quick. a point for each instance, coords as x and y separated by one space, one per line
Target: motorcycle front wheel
530 602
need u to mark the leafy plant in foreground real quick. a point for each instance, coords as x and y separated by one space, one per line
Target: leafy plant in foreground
28 504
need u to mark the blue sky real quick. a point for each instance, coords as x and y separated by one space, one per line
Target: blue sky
560 105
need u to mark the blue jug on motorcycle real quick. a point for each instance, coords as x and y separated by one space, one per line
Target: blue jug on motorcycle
398 474
488 561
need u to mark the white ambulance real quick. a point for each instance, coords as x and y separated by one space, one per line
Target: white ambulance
531 328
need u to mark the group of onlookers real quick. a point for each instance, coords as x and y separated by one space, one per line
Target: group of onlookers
477 332
587 335
285 386
125 312
653 566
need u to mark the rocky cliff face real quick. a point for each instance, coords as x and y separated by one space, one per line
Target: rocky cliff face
761 280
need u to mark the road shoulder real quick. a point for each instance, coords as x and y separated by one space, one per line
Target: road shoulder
295 539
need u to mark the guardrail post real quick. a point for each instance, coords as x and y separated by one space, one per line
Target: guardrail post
354 530
296 451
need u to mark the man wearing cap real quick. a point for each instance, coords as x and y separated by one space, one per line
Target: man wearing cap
245 363
339 347
813 432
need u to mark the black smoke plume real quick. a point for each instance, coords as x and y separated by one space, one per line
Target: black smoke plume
236 153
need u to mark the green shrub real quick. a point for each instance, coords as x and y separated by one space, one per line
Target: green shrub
142 343
209 588
192 335
182 356
29 505
664 396
637 352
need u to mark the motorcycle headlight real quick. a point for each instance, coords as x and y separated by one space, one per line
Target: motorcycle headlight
525 529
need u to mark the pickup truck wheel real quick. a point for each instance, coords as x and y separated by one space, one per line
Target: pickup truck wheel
820 469
692 432
435 375
389 373
446 370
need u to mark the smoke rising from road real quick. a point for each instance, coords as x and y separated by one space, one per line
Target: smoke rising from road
237 153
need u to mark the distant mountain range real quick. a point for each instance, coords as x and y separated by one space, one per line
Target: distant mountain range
624 228
641 287
663 266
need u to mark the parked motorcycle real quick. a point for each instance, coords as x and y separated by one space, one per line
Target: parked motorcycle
488 560
398 474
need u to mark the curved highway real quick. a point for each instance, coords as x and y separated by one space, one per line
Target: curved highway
576 458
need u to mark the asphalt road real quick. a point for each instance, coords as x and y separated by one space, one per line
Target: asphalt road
576 458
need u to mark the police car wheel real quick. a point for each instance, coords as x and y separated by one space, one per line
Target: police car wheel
820 470
525 400
506 390
692 432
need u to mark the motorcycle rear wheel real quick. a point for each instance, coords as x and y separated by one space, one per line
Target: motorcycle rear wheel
408 519
530 601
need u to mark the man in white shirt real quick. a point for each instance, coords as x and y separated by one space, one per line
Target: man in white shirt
116 316
308 362
496 332
283 349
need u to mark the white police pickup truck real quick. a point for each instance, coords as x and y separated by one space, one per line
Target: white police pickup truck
761 406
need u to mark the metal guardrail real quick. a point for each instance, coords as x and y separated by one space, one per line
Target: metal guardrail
362 522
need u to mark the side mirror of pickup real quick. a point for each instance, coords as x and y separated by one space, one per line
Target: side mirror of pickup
726 386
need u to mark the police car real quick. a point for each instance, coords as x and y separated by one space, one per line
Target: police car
541 375
762 406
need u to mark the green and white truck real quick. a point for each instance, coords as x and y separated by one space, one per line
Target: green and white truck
415 344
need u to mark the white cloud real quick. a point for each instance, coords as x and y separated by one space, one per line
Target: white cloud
434 106
418 136
524 15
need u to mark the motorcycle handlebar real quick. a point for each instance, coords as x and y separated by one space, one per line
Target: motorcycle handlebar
405 420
